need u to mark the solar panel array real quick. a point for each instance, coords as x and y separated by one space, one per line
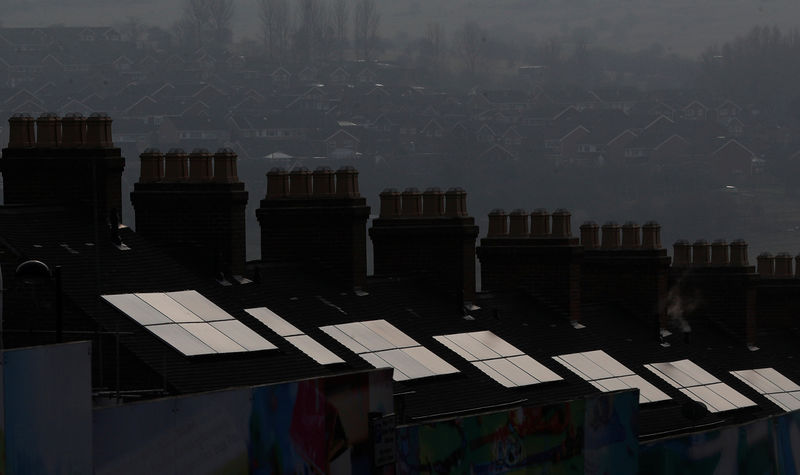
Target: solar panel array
293 335
698 384
498 359
773 385
189 322
382 345
607 374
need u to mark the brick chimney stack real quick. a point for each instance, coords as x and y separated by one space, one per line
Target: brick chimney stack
723 284
315 223
49 162
630 270
590 235
196 215
545 263
432 239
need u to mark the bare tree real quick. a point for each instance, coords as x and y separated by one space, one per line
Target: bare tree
274 16
206 22
312 29
470 42
436 46
340 15
365 25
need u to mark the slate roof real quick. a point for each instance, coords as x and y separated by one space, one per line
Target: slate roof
101 268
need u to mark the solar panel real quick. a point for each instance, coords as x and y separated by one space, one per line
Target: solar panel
200 306
534 368
481 365
378 362
390 333
169 307
405 363
273 321
310 347
430 360
778 379
366 337
733 396
472 346
672 375
511 372
714 401
180 339
646 390
700 385
241 334
785 401
602 359
757 381
137 309
587 369
496 344
457 349
213 338
695 372
345 340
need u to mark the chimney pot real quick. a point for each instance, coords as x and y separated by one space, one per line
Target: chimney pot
701 253
590 235
766 264
433 202
390 203
152 166
347 182
498 223
611 235
300 185
73 130
783 265
175 165
21 131
631 235
412 202
324 182
719 253
48 130
738 249
200 165
562 223
682 253
518 223
277 183
98 131
225 170
651 235
456 202
540 223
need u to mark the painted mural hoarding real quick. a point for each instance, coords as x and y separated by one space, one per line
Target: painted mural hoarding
584 435
310 426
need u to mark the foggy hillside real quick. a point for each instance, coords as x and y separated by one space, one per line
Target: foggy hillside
684 27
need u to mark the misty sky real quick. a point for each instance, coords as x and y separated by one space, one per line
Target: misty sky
681 26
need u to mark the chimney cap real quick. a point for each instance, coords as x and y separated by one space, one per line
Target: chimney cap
276 170
225 151
323 169
497 212
151 151
98 115
433 189
610 223
720 241
589 223
411 189
176 151
200 151
518 212
681 242
739 242
74 115
347 168
389 191
701 242
48 115
562 212
303 170
765 254
457 189
629 224
784 255
652 224
21 115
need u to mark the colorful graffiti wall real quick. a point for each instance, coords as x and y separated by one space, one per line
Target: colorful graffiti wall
310 426
585 435
48 409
